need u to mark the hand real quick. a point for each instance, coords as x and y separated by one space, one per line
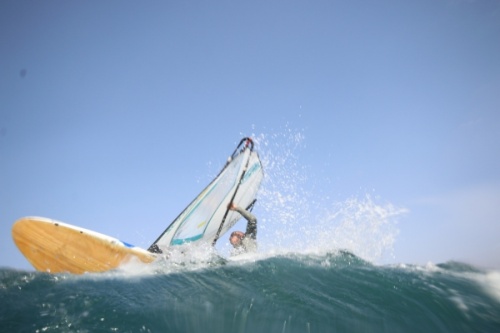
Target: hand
231 206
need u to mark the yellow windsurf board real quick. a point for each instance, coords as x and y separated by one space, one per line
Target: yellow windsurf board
56 247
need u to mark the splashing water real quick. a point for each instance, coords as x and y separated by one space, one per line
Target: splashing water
197 291
289 218
361 226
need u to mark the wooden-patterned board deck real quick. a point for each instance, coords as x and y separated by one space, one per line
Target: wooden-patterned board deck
56 247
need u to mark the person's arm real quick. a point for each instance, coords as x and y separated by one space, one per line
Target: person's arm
251 224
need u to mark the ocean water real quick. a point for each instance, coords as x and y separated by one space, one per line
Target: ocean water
330 292
298 282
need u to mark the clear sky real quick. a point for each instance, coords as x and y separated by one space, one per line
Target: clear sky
115 114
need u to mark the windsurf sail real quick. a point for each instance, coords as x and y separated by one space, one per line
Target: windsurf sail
207 218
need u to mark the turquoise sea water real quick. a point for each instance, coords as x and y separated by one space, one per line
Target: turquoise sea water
332 292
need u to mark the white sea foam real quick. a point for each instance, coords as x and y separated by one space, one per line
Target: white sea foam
290 220
490 281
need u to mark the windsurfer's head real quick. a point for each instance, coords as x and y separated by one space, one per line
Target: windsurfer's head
236 238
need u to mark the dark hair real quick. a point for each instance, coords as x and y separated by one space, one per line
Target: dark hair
240 234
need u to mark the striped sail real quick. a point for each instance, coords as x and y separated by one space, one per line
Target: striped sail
206 217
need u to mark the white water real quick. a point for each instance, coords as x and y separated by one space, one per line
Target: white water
293 217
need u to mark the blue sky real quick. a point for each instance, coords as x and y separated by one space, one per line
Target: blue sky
115 114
